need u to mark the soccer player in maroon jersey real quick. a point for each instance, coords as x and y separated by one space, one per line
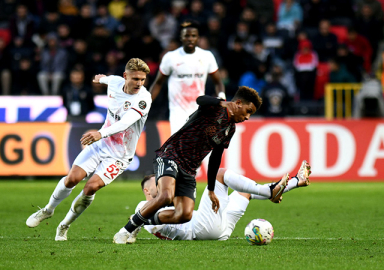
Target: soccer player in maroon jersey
208 129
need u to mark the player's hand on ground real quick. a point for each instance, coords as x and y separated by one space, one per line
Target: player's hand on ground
90 137
215 201
98 77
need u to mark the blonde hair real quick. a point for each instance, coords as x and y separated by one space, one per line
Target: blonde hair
136 64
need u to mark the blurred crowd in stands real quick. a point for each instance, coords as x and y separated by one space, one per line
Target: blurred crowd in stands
285 49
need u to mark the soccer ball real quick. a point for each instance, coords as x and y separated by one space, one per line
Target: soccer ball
259 232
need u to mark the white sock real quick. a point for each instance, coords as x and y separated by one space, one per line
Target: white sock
258 197
292 183
123 230
243 184
60 193
79 204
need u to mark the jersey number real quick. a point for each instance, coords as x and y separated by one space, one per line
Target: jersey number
112 170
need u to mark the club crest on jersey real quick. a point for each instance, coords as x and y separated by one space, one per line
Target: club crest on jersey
142 104
119 164
126 105
210 131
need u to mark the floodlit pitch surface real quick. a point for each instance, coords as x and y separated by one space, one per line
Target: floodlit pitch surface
323 226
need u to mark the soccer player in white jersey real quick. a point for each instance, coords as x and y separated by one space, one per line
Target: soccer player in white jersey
205 224
187 69
110 150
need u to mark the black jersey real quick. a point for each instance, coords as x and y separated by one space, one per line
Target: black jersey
207 128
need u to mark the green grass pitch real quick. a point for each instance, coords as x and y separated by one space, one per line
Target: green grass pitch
323 226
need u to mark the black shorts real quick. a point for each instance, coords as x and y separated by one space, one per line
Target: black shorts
185 183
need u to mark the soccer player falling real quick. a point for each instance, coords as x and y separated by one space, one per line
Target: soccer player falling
210 128
110 150
207 225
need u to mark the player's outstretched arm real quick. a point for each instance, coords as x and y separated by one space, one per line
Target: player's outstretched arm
157 84
126 121
98 77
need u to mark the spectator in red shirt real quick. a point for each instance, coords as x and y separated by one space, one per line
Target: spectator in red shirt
305 63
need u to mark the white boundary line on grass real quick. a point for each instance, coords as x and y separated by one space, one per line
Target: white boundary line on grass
277 238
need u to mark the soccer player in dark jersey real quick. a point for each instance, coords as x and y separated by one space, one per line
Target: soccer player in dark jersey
208 129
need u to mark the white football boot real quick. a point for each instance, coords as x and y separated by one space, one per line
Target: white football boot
35 219
303 174
121 237
132 238
277 189
61 232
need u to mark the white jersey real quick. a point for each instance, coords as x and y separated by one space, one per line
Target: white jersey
122 145
187 77
205 224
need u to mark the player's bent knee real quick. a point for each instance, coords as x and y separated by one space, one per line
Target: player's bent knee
91 188
184 217
71 180
164 199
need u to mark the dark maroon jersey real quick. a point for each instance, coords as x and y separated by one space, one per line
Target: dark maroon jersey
206 128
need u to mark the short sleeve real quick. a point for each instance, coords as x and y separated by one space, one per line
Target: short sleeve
212 64
166 65
142 104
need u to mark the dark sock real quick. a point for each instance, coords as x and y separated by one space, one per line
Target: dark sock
136 221
154 220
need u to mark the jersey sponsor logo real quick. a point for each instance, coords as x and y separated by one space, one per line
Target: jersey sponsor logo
142 104
126 105
179 64
197 75
110 95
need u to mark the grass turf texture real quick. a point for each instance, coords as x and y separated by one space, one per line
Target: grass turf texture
323 226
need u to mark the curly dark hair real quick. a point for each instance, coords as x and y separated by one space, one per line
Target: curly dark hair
247 95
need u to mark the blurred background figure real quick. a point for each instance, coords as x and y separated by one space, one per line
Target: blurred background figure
5 68
77 97
290 16
369 102
162 27
25 82
339 73
53 65
305 63
276 99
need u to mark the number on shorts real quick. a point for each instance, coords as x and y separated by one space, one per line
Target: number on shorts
112 170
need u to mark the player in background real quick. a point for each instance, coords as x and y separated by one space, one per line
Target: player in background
205 224
187 69
208 129
110 150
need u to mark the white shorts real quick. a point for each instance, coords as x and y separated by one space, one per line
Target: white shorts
211 226
177 119
93 160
